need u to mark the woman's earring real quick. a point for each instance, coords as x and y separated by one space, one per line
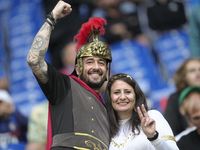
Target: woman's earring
135 109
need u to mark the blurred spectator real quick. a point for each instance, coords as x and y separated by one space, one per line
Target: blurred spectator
37 127
122 19
68 56
194 32
188 74
185 132
13 125
186 94
190 105
166 15
66 27
4 83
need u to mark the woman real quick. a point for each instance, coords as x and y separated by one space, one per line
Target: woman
132 125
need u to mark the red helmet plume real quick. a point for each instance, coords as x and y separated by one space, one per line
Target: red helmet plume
95 23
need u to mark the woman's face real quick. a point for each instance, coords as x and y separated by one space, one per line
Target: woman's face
193 73
123 99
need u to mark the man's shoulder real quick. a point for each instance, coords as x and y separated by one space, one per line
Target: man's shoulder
187 137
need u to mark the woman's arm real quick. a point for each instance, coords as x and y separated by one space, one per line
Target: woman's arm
165 140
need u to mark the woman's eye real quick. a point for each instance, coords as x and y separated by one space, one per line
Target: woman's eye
128 91
116 92
192 70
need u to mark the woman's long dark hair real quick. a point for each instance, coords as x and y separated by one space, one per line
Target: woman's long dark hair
134 122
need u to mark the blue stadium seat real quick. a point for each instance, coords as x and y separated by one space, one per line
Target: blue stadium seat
172 49
16 146
21 23
137 60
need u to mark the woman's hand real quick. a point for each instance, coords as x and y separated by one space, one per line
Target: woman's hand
147 123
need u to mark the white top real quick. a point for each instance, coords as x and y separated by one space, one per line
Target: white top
5 96
140 142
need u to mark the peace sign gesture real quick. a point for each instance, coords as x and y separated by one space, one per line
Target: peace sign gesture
147 123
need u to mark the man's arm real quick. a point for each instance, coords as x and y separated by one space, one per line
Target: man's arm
35 58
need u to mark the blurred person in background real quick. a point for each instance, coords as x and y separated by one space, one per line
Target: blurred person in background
185 93
68 56
188 74
194 32
37 127
189 102
166 15
122 18
13 125
4 83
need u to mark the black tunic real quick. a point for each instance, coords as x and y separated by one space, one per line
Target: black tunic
190 141
78 118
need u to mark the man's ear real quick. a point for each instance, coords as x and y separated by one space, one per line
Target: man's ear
76 68
107 73
182 111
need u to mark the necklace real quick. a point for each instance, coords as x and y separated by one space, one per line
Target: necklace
123 143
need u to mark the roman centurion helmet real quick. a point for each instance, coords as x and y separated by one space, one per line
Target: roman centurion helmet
89 44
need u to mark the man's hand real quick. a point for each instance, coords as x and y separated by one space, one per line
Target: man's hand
61 10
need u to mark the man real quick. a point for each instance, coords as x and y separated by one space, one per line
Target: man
190 106
77 118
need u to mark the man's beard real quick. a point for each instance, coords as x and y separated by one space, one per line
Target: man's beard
93 84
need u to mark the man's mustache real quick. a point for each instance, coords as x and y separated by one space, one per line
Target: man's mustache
97 72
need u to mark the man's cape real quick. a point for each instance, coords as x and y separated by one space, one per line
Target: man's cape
49 131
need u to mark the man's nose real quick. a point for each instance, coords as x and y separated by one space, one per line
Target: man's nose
96 65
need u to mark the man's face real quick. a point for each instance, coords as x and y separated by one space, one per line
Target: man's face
193 73
94 71
5 109
194 108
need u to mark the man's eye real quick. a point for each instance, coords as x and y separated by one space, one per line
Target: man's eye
196 118
102 63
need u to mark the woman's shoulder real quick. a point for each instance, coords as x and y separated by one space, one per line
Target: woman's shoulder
162 125
155 114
